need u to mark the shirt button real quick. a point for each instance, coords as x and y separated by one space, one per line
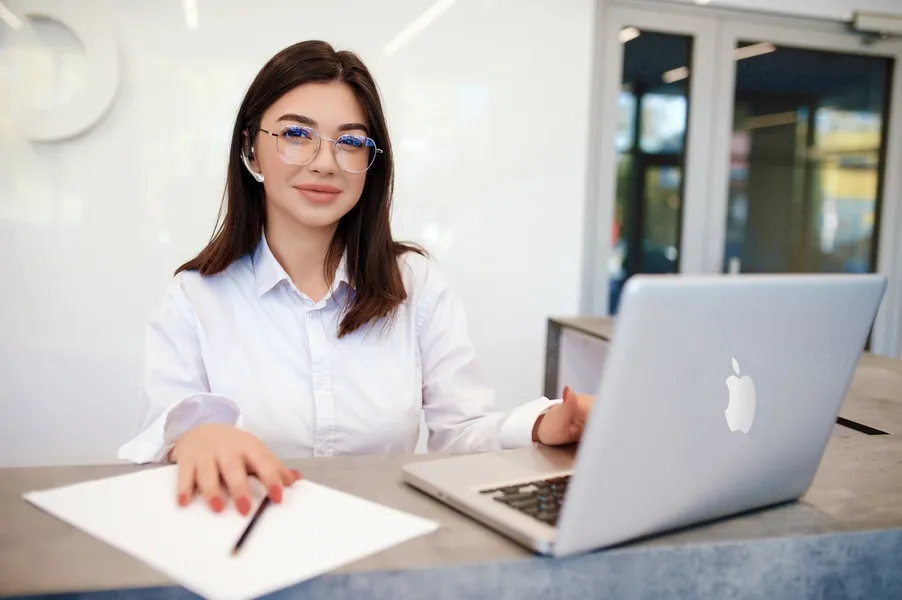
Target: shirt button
319 380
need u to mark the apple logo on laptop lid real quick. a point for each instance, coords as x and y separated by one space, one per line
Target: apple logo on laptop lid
740 411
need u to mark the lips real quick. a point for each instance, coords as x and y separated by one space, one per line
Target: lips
318 193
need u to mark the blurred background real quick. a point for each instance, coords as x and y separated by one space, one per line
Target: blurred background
546 151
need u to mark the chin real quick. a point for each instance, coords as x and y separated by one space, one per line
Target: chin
320 216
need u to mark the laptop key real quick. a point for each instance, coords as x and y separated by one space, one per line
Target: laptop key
547 517
515 497
521 504
538 499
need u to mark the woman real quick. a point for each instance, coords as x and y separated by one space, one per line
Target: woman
303 328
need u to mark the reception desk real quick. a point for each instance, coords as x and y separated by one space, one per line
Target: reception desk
843 539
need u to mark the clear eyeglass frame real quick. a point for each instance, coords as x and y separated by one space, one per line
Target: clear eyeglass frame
340 147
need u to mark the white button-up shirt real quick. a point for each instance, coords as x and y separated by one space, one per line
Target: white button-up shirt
246 347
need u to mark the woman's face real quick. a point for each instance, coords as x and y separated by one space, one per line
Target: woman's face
319 193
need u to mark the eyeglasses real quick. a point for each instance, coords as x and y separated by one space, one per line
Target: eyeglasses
299 145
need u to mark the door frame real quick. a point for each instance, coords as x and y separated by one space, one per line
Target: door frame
603 180
714 31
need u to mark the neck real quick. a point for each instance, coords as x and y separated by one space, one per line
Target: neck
302 252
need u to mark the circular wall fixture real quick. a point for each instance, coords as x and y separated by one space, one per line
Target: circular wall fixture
94 98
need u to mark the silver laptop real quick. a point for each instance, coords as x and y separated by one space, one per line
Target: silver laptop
718 396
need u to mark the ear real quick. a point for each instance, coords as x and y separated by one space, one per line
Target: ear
247 149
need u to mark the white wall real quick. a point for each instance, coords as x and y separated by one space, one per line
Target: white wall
825 9
92 228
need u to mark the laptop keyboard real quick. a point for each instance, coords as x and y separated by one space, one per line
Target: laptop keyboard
538 499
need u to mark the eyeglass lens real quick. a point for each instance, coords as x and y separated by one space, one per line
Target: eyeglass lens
298 146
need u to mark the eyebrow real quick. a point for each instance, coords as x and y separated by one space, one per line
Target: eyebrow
311 123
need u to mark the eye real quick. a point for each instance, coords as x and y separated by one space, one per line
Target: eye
355 142
297 133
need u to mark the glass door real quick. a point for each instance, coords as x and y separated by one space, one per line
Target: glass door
802 178
652 160
736 142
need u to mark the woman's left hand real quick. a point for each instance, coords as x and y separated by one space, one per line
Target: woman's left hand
564 422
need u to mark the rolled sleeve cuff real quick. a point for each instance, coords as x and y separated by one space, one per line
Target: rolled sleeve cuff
154 443
516 432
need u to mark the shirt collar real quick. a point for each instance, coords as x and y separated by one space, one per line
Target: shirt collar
268 273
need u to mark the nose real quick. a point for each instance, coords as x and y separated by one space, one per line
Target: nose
324 162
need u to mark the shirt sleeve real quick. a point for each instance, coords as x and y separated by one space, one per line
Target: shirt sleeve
458 397
176 393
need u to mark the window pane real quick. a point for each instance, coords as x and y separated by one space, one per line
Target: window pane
651 140
806 160
664 122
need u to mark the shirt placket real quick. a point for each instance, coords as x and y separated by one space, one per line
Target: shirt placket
323 392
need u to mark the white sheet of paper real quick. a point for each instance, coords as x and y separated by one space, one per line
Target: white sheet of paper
315 529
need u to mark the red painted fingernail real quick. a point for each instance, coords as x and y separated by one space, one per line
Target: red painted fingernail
243 505
296 473
216 504
566 390
183 499
275 492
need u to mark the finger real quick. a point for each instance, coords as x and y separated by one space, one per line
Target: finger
186 480
289 476
570 398
268 470
208 483
234 474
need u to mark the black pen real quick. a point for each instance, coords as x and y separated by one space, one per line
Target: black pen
250 525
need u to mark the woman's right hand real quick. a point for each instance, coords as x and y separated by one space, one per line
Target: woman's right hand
213 454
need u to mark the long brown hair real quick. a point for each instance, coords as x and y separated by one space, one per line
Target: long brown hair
364 232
